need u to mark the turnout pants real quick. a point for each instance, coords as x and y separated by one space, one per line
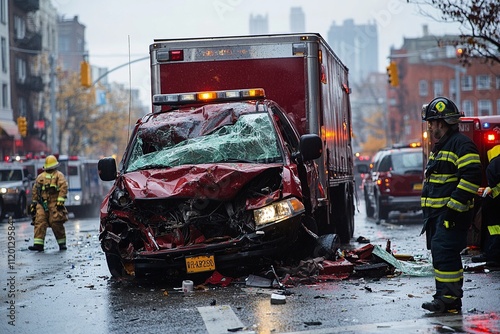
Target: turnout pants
446 246
52 218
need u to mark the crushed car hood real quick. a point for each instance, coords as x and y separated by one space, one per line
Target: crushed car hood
213 181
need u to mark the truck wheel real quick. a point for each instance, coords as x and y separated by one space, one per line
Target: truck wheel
368 206
21 209
342 215
382 212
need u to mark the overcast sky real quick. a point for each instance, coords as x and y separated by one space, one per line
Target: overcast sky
119 29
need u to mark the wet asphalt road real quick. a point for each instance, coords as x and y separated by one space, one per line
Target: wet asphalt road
72 292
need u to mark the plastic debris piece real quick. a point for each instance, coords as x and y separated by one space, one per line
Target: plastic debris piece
407 268
257 281
278 299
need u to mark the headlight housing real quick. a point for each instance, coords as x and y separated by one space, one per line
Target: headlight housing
278 211
5 190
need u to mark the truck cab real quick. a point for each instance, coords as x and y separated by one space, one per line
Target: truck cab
208 183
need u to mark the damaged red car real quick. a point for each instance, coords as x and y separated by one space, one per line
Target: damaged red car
211 182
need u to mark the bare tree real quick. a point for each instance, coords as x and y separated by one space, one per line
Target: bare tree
479 25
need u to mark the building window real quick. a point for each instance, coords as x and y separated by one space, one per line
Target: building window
5 97
438 88
19 28
453 87
484 108
21 70
22 106
423 88
498 107
467 108
498 82
3 54
467 82
483 82
3 11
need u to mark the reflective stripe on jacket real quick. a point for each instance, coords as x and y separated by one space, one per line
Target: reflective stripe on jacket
453 175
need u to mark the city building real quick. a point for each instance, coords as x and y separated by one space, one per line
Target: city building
8 127
357 47
31 25
72 50
259 24
428 67
297 20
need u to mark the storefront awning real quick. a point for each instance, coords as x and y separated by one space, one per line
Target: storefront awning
9 127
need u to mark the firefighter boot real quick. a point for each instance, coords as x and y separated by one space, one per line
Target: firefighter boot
36 247
440 306
62 247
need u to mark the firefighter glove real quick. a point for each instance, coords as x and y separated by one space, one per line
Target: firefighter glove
454 218
60 205
32 209
486 192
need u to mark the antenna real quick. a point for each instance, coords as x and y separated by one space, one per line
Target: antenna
129 88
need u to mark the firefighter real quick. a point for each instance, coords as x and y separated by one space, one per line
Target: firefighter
490 205
452 178
47 209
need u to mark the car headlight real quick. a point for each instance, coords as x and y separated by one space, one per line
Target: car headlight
120 198
278 211
5 190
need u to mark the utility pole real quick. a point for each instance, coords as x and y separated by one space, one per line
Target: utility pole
53 103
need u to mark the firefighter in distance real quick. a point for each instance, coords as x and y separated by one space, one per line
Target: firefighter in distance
452 177
47 209
490 204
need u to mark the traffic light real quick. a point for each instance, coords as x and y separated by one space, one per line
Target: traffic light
85 76
392 72
22 126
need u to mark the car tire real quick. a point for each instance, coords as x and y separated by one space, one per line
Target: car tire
21 208
368 206
115 266
2 212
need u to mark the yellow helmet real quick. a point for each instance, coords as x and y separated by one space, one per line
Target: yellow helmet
50 162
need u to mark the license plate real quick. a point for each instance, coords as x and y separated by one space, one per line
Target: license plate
417 186
198 264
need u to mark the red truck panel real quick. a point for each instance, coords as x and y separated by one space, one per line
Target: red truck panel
179 77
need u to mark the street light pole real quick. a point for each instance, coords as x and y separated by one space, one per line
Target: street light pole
53 102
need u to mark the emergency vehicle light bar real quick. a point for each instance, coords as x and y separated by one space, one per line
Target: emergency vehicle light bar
209 96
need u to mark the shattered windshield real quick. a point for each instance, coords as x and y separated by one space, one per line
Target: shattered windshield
245 138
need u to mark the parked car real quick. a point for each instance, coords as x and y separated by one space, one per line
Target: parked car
394 182
15 189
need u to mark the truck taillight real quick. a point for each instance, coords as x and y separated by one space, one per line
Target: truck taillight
176 55
491 138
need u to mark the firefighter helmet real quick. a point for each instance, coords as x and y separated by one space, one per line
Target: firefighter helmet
441 108
50 162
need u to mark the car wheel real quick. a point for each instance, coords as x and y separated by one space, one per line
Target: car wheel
115 266
368 206
2 212
21 209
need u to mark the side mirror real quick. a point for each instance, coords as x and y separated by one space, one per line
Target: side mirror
311 147
107 169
